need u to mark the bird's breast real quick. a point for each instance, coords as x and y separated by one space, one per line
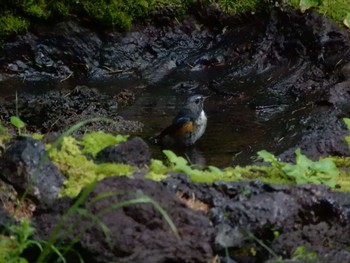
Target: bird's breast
201 125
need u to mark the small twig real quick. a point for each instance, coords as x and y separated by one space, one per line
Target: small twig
302 108
115 71
70 74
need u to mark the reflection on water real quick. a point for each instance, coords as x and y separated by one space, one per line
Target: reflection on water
238 126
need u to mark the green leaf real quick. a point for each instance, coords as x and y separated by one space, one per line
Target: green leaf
17 122
270 158
2 129
215 170
267 156
306 171
302 252
346 22
37 136
347 122
158 166
180 163
307 4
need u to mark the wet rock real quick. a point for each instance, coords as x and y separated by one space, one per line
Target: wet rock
26 166
57 110
340 94
133 152
75 49
346 70
136 232
309 215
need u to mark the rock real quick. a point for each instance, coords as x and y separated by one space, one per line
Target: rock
136 232
285 216
134 152
57 110
22 165
345 70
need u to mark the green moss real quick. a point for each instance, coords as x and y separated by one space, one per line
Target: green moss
36 8
10 24
60 8
15 240
343 181
240 6
118 13
268 174
94 142
337 10
15 15
81 171
158 171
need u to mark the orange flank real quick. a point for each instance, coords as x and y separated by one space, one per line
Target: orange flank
187 127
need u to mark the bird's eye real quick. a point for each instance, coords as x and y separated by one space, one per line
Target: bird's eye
197 101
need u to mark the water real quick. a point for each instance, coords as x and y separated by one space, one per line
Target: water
254 117
238 126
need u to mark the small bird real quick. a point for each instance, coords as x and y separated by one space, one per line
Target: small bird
188 125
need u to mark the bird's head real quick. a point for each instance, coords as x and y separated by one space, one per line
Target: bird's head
195 104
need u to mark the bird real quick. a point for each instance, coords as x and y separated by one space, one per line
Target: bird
188 126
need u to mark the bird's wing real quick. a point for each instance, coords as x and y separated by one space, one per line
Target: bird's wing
179 126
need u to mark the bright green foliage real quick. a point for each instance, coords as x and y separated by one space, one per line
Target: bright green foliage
302 252
4 137
179 164
109 13
346 20
305 170
60 8
335 9
338 10
119 13
10 23
81 171
347 122
94 142
157 171
37 136
347 137
11 247
307 4
36 8
17 122
240 6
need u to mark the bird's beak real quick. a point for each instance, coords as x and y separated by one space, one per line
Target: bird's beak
205 97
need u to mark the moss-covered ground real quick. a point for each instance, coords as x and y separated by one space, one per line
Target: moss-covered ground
17 16
71 158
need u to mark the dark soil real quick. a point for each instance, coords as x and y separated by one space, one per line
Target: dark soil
243 222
